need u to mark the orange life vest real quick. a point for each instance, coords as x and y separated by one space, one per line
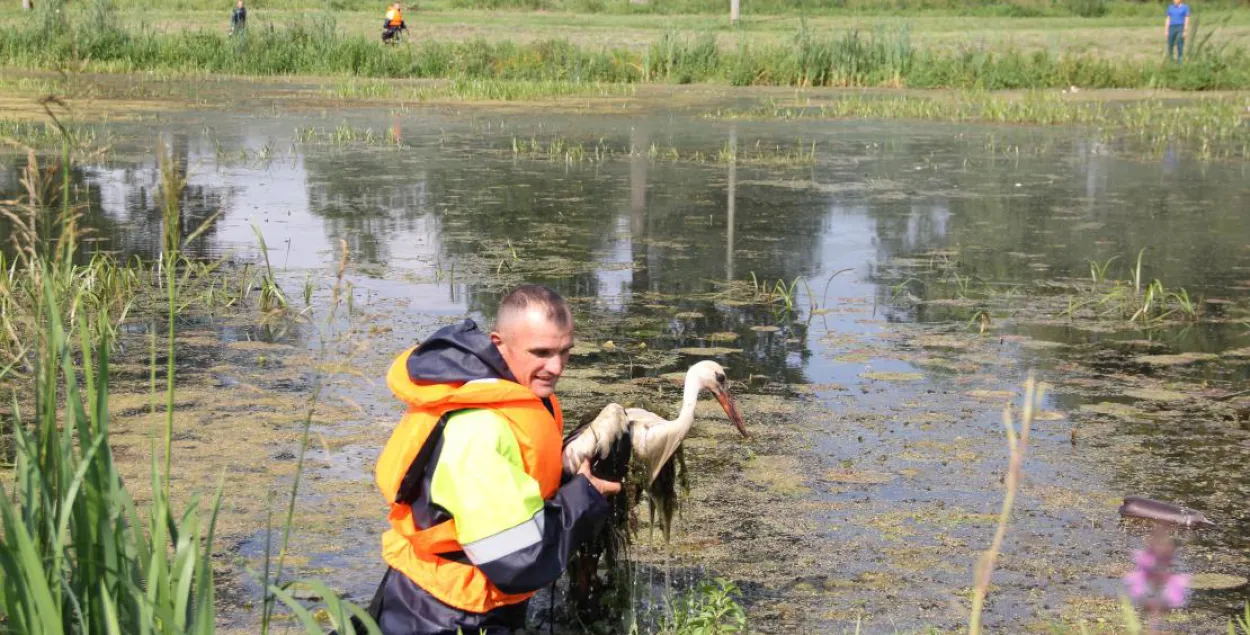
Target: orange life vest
394 16
414 551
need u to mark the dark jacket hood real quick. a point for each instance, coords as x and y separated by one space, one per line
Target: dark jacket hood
457 353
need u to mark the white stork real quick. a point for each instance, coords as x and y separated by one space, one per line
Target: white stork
608 443
652 439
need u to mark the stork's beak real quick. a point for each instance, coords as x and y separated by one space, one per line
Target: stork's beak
727 402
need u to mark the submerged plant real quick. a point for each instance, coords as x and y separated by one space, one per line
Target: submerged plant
272 299
1098 270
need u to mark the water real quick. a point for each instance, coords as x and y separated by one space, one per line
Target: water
874 480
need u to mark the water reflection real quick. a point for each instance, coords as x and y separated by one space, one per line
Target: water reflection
658 226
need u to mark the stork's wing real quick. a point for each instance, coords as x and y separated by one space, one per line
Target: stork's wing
655 438
594 439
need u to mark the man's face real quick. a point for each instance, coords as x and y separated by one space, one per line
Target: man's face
535 348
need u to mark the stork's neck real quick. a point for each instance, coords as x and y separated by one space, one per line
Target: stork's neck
689 399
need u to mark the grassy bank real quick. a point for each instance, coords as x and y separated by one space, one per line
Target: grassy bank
1211 128
95 41
1119 36
1083 8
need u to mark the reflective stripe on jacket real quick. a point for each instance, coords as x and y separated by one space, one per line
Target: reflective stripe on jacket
425 555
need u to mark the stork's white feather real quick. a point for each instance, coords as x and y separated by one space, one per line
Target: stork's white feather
596 440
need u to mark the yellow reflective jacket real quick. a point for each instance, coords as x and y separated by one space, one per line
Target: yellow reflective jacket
424 554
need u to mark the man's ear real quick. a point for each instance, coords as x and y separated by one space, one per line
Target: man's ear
495 338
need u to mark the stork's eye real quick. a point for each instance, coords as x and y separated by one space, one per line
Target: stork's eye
720 378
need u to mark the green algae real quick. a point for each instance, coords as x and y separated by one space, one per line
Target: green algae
1216 582
1155 394
708 351
778 474
941 341
952 365
854 476
1179 359
1113 409
892 376
981 394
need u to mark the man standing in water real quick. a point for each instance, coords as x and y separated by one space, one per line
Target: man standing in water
1177 27
479 517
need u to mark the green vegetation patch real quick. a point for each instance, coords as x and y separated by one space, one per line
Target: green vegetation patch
1179 359
93 39
1156 394
892 376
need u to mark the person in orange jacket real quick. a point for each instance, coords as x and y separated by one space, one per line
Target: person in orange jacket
481 513
394 24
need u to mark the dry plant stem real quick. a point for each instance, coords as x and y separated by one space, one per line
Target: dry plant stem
319 383
1017 442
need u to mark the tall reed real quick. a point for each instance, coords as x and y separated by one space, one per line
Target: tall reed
79 555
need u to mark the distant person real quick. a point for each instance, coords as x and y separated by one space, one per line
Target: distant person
394 24
238 19
1177 28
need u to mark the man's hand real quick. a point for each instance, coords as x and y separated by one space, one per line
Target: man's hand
606 488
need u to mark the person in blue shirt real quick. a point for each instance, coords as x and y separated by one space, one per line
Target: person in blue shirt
1176 26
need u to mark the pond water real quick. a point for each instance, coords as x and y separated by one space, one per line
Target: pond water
933 265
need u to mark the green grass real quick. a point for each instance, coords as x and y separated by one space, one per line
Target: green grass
1083 8
1129 30
882 58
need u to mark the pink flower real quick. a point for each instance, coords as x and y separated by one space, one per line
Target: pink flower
1137 584
1174 590
1145 560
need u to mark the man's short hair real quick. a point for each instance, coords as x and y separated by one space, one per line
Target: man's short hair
529 296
